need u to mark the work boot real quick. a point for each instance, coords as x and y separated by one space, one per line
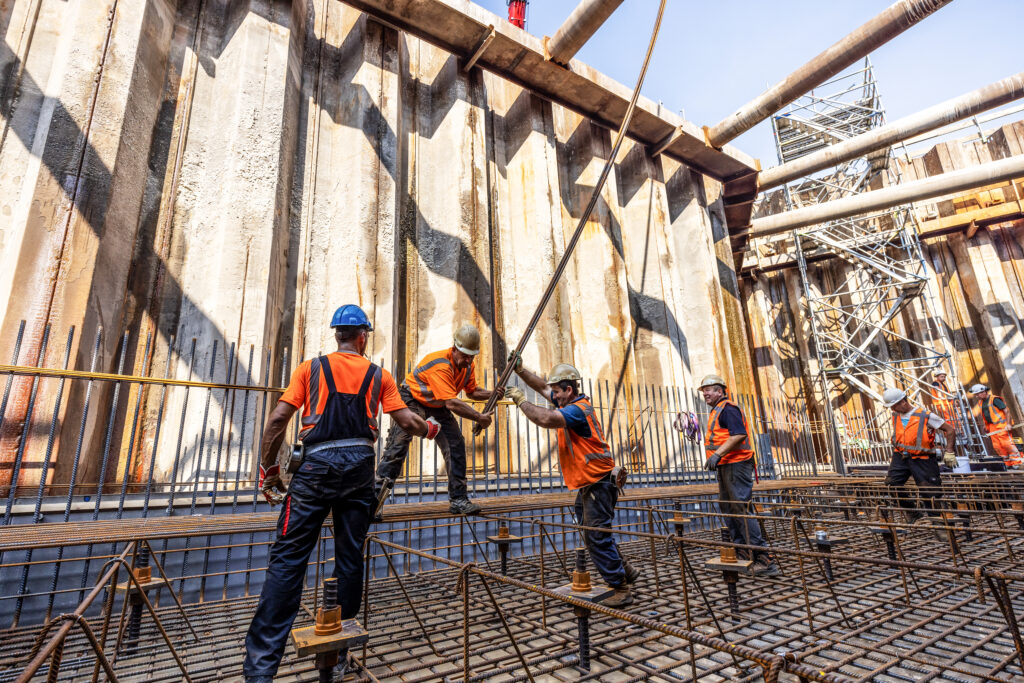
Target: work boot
463 506
632 573
941 535
765 566
620 598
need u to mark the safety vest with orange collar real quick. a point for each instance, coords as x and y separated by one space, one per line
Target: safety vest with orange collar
435 379
914 438
584 459
717 435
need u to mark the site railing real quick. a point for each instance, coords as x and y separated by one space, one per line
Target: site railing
169 425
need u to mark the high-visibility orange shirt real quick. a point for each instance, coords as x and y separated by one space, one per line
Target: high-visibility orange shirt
349 370
993 411
718 434
435 379
583 455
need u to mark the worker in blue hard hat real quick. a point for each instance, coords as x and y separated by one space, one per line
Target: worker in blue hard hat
432 390
339 395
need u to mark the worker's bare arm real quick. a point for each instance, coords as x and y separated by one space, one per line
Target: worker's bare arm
543 417
536 382
948 430
273 433
410 422
463 409
480 394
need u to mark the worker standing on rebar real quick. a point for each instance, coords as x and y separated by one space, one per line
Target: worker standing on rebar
586 463
915 453
431 390
992 412
339 395
731 458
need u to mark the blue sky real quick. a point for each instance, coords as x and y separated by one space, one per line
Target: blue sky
713 57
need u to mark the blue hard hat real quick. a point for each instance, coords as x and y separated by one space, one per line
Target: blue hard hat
351 315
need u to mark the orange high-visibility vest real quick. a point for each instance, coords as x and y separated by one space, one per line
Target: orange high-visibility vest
914 439
717 435
994 417
435 379
940 392
584 459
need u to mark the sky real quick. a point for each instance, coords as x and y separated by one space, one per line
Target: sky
713 57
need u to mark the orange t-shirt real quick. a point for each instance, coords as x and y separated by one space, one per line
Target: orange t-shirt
348 370
435 379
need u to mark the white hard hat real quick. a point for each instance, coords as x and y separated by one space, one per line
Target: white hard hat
891 397
978 388
710 381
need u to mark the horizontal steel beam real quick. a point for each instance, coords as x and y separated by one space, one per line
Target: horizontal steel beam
917 190
878 31
578 28
991 96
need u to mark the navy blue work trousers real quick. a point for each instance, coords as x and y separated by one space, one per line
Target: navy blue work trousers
735 489
339 481
595 506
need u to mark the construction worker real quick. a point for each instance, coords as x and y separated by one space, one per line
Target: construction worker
431 390
339 395
915 454
586 463
731 458
941 398
992 412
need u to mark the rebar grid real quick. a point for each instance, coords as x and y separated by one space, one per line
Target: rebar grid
939 612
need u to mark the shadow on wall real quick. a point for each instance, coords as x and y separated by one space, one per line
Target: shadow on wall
435 247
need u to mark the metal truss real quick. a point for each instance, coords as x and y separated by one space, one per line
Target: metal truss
859 328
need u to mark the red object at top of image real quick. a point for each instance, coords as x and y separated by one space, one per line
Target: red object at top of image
517 13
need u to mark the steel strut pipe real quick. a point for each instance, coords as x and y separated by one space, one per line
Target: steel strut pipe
917 190
879 30
956 109
578 28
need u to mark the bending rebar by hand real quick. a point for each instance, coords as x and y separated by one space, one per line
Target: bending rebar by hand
609 162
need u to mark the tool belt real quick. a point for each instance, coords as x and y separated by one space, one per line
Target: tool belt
300 450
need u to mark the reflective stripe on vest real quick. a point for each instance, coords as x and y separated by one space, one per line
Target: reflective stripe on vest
717 435
993 416
939 391
427 396
591 451
915 428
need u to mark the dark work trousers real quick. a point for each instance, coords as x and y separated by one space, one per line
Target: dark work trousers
595 506
339 481
925 472
449 440
735 488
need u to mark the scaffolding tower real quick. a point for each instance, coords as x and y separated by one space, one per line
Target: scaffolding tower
861 338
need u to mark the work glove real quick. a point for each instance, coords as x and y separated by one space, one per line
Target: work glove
516 395
271 486
516 361
949 460
433 427
712 462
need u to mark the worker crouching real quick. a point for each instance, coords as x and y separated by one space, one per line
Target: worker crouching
586 463
339 395
731 458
